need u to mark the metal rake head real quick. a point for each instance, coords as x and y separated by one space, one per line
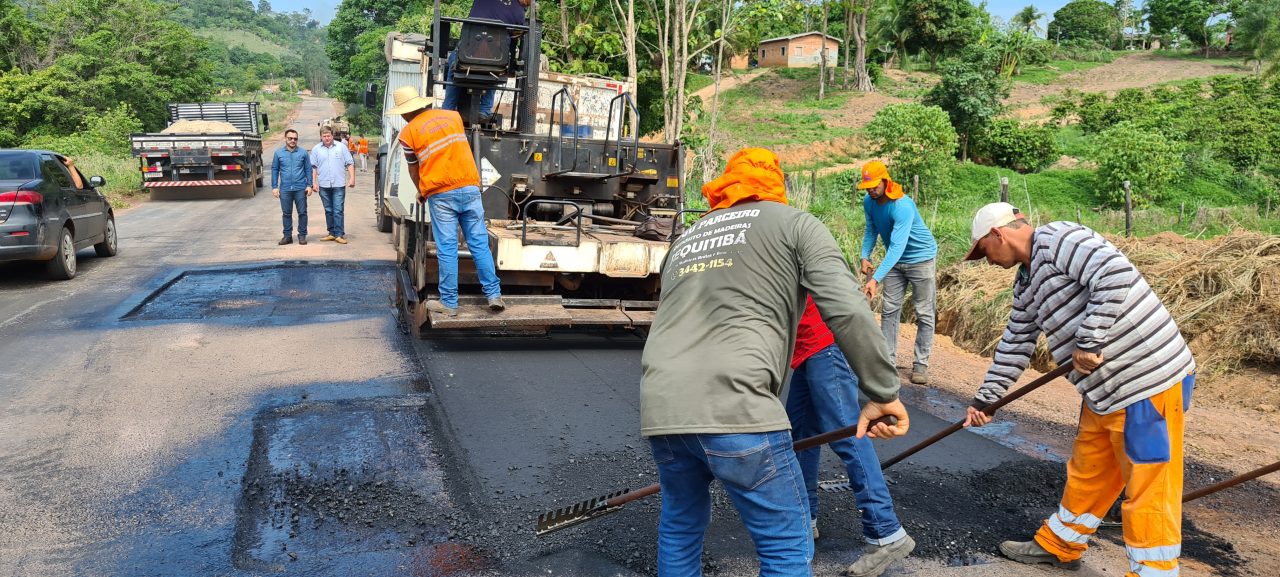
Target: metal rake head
578 513
834 486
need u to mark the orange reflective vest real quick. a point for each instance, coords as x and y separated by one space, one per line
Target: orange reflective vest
363 145
436 143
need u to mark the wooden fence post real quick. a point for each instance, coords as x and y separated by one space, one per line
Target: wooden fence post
1079 217
1268 213
915 189
813 181
1182 212
1004 189
1128 211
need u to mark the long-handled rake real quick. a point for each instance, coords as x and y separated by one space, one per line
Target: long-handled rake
605 504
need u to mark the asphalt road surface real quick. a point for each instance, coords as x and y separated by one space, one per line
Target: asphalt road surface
210 403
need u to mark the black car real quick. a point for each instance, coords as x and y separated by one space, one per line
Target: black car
48 211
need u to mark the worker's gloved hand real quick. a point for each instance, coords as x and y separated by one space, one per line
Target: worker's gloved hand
1085 362
976 418
873 411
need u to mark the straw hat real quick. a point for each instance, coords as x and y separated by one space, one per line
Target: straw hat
407 100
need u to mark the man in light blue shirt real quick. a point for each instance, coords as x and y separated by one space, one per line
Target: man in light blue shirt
291 183
910 257
332 172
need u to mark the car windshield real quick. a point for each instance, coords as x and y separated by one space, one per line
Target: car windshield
16 166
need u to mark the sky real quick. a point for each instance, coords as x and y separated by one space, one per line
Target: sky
323 10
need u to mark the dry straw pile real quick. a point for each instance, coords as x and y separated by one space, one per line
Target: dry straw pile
1224 293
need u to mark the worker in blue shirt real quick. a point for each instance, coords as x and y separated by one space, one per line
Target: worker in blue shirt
910 258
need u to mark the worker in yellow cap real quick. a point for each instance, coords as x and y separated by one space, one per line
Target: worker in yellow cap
910 257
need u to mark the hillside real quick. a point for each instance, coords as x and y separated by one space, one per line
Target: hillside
246 40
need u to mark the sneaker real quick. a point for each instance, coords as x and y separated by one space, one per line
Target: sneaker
341 240
286 240
1032 553
438 307
876 559
302 239
496 304
813 528
329 237
920 375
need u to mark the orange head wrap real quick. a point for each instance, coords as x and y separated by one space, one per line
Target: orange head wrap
752 174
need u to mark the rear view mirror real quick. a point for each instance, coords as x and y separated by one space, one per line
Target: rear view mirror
266 124
96 181
371 96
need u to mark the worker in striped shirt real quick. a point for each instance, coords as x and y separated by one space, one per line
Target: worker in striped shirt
1131 365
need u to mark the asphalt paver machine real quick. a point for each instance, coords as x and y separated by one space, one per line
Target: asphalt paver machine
579 211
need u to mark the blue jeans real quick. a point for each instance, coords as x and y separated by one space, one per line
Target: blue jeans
333 198
461 206
824 397
289 199
760 474
452 94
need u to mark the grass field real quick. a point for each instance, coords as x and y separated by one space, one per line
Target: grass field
247 40
1049 73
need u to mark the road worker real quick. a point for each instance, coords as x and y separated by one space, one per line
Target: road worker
1132 367
362 148
733 289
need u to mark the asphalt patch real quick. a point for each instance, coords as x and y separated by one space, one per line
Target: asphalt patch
280 293
345 488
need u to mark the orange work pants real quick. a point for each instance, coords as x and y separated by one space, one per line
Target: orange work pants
1137 450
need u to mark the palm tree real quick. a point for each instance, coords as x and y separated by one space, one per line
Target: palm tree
1029 19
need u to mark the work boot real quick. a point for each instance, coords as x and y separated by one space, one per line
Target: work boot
1032 553
496 304
438 307
329 237
876 559
341 240
302 239
920 375
285 240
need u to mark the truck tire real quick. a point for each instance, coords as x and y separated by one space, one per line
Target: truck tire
63 264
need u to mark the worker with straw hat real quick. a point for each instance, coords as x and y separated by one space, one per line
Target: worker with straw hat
444 172
1132 367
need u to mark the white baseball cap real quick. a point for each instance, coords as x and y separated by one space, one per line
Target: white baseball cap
994 215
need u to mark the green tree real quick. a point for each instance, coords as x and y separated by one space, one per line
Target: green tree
354 18
971 92
1028 19
1189 17
1090 20
941 27
1145 158
918 140
1258 33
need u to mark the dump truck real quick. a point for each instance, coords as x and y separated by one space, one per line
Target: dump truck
209 150
579 211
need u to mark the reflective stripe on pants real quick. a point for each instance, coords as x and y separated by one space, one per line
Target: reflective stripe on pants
1103 463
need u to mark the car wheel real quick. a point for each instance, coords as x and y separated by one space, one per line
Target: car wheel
108 245
63 265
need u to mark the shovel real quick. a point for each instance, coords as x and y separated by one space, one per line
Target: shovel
605 504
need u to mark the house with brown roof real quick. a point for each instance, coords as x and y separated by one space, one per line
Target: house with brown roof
798 50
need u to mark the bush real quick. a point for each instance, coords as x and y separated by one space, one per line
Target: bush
917 140
1007 144
105 133
1145 158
